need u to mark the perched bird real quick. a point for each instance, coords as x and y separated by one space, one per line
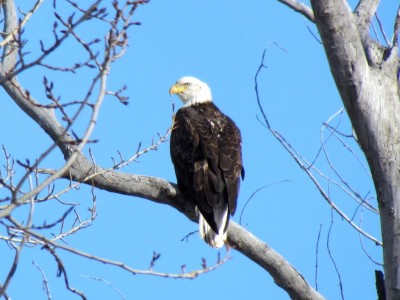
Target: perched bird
207 156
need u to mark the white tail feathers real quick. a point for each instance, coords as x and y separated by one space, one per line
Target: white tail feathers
215 240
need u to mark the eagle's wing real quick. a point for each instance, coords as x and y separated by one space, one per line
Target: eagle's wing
206 152
230 162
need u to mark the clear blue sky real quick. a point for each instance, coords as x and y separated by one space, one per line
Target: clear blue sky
221 43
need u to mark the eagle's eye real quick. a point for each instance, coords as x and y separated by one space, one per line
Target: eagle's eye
186 84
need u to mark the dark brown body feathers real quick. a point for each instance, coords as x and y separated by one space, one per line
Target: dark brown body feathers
206 153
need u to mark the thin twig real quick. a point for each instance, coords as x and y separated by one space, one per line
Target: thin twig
382 30
254 193
53 245
10 275
62 271
45 281
110 284
316 257
301 162
331 256
362 243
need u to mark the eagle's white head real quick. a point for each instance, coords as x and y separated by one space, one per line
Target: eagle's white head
191 91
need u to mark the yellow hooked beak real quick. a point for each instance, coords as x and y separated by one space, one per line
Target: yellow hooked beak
177 88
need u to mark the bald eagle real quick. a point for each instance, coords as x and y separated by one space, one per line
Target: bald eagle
207 157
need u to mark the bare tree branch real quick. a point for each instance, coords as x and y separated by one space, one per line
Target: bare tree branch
238 238
52 246
388 43
365 11
396 29
45 281
300 8
13 30
332 258
285 276
8 60
18 250
110 284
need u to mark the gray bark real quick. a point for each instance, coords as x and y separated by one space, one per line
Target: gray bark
366 77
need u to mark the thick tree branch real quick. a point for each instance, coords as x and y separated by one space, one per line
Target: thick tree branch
285 275
365 11
164 192
9 34
396 29
10 31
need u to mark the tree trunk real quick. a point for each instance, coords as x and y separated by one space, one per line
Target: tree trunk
366 77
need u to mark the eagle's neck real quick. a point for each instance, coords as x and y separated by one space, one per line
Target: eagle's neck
196 101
